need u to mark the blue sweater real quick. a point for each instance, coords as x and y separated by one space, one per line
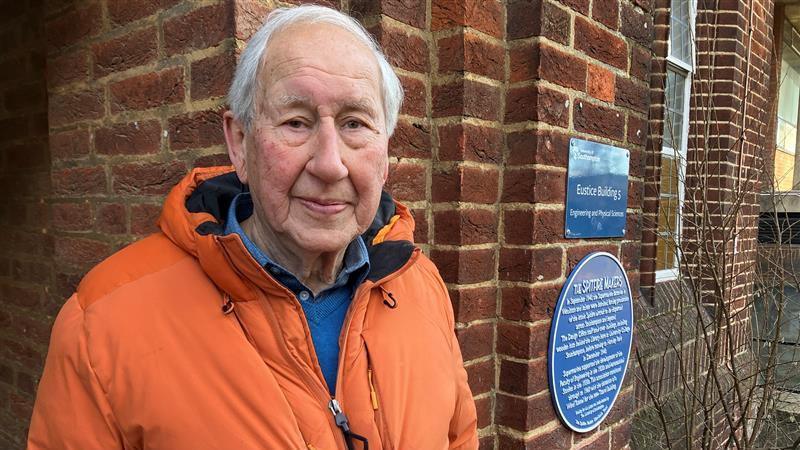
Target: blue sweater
324 312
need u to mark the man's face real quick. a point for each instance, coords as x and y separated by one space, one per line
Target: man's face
316 155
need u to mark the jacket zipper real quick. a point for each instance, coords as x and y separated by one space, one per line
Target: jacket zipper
330 401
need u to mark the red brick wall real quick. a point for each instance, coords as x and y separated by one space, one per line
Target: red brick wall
25 246
494 90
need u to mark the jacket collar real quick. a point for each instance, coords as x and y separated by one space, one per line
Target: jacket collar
194 217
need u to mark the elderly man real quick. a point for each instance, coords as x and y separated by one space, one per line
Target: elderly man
283 305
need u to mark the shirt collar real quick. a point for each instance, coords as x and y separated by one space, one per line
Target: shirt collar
355 261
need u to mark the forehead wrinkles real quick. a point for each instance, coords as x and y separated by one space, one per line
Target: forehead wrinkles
285 57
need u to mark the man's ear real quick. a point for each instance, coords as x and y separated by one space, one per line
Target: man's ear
235 138
386 170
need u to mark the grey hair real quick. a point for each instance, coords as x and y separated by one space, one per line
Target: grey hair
242 93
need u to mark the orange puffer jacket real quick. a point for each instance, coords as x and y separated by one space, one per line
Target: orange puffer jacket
182 341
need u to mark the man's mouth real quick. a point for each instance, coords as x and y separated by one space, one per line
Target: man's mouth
323 206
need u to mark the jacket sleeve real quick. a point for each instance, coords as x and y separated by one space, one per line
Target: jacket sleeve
464 424
71 410
463 433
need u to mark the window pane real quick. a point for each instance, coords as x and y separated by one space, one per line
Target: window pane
680 35
788 118
673 129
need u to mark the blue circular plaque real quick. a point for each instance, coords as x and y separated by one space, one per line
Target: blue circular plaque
590 341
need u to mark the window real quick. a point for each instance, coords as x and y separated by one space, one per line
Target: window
680 65
786 176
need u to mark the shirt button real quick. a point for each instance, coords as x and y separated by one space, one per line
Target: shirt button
304 295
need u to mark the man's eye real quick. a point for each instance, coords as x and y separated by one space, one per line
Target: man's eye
295 123
353 124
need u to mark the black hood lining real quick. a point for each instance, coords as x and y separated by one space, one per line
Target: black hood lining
214 196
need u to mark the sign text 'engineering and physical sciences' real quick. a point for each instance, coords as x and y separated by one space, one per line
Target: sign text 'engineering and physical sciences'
590 341
597 190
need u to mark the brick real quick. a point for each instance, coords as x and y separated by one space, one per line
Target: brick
524 414
80 252
474 303
522 341
69 144
562 68
67 68
606 12
600 44
123 53
74 106
621 435
577 253
71 216
636 25
523 379
148 178
599 120
24 297
637 134
248 17
467 98
465 184
537 103
640 63
556 23
466 142
213 160
481 376
27 156
414 97
121 12
548 226
403 50
530 265
25 97
465 266
465 227
559 438
483 15
633 95
134 138
630 255
601 83
212 76
533 186
111 218
180 33
530 303
523 62
149 90
635 194
523 19
466 52
144 218
79 181
420 225
73 26
411 139
411 12
407 181
195 130
581 6
476 340
538 147
32 271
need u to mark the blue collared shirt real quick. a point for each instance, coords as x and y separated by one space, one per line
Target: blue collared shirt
324 312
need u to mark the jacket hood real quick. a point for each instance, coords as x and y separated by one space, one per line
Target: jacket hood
194 215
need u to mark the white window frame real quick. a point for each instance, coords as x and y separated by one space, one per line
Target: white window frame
679 154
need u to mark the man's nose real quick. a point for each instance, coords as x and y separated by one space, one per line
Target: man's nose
326 160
